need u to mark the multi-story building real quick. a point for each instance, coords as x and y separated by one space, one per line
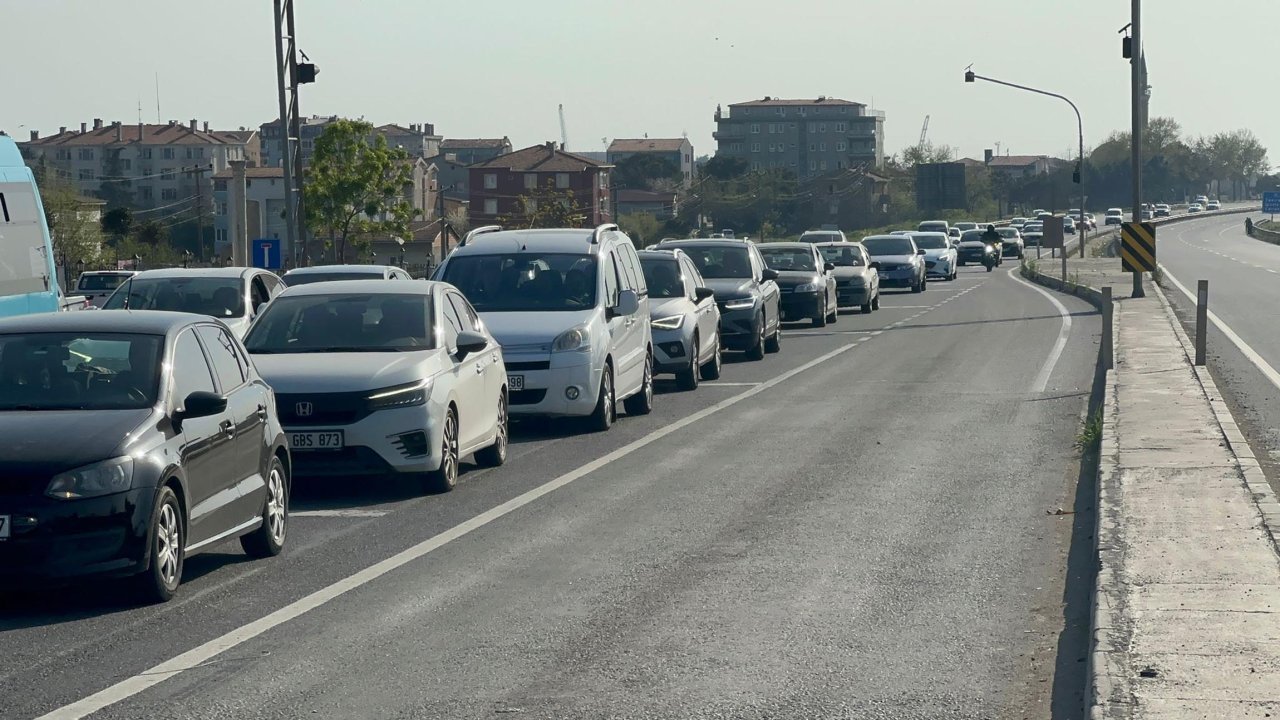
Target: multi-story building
456 155
677 151
498 184
807 137
661 205
144 166
417 140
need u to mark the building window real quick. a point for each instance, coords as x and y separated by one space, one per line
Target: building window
771 146
200 152
755 166
86 153
530 181
166 153
822 165
844 109
822 147
190 154
802 112
490 181
168 174
842 127
822 127
490 207
812 147
841 146
755 147
168 194
126 164
86 175
144 193
562 180
145 153
222 208
755 128
813 165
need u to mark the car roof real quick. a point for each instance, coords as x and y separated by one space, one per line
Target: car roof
147 322
786 245
109 272
320 269
366 287
654 252
228 272
929 233
568 241
822 232
882 236
838 244
707 242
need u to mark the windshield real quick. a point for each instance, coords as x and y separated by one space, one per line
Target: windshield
317 277
720 261
898 245
973 236
214 296
347 322
1033 227
933 227
662 275
79 371
817 237
931 242
846 256
98 283
525 281
1007 232
789 258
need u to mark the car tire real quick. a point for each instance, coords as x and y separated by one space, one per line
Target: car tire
687 379
924 284
606 412
820 320
867 307
642 402
774 343
496 454
918 287
268 540
757 349
990 268
875 302
166 535
834 315
445 478
711 371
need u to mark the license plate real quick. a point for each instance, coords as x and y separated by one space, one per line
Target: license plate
4 527
515 382
328 440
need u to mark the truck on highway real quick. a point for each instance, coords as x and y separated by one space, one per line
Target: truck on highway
28 278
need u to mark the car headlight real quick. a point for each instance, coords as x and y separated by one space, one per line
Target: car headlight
989 248
397 396
808 287
739 304
102 478
572 339
668 323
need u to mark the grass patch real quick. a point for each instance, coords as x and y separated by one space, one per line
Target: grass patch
1090 435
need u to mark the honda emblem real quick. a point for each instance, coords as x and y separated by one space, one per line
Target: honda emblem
304 409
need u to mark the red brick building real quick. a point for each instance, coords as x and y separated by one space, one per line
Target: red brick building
498 184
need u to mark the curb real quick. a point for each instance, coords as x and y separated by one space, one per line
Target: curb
1084 292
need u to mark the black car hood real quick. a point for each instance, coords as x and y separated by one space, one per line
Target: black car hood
56 440
792 278
725 288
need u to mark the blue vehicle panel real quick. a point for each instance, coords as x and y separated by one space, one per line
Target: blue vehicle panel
27 272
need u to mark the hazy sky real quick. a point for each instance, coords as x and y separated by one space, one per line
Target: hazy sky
622 69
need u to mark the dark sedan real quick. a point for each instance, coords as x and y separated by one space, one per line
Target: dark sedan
805 280
899 261
176 448
746 292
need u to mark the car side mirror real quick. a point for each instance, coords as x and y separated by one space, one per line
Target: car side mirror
470 342
769 274
199 404
829 266
702 293
628 304
875 265
919 251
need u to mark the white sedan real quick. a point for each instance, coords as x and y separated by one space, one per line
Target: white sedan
378 377
940 256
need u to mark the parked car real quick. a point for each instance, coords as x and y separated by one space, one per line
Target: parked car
1213 205
1032 234
132 441
683 318
330 273
746 292
1114 216
821 236
1162 210
933 226
97 285
1011 242
571 310
805 281
857 283
973 247
383 378
940 257
965 225
233 295
899 261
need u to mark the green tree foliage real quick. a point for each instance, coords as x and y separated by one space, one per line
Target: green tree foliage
117 223
927 153
151 233
643 228
355 188
722 167
77 236
546 208
644 171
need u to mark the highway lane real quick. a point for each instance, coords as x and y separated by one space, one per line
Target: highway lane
1244 292
867 533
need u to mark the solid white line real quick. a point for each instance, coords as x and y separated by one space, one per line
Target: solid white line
1064 332
346 513
735 384
1241 345
203 653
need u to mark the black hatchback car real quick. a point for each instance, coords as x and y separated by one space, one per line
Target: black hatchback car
746 291
131 441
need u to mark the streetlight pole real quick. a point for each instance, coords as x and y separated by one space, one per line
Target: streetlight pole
970 76
1138 91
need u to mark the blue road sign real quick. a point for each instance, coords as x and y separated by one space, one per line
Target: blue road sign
266 254
1271 203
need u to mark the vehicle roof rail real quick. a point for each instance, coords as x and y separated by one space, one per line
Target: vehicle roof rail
480 231
600 229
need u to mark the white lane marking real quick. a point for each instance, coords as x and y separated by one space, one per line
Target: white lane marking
345 513
908 307
1265 367
1064 332
735 384
202 654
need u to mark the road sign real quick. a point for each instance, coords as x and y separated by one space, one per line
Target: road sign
1271 203
1138 247
1052 229
266 254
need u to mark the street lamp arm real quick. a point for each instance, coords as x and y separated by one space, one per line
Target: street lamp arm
1063 98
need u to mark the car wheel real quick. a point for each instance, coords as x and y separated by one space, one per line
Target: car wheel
875 302
867 307
820 320
606 412
924 284
642 402
445 478
774 343
268 540
159 582
834 315
756 352
687 379
496 454
918 286
711 371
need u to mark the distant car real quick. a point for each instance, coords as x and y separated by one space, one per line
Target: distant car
97 285
1201 200
902 232
1195 208
1018 222
1068 225
1113 216
233 295
898 260
966 225
805 280
1080 218
1091 220
1032 234
1011 243
857 283
933 226
954 235
1213 205
821 236
683 317
1040 213
1162 210
746 292
134 440
331 273
940 257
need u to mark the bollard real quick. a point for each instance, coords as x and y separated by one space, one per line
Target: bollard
1108 342
1202 316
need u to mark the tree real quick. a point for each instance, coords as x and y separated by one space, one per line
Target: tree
927 153
546 208
77 236
117 223
722 167
644 171
151 233
356 187
643 228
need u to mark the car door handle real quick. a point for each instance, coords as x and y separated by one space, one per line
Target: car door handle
262 412
479 368
228 428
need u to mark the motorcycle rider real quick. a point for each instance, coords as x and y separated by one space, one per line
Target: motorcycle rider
992 238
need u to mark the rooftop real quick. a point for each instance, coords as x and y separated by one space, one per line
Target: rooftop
778 102
457 143
174 133
1016 160
252 172
544 158
647 145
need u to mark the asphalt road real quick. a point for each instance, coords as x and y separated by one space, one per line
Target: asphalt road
874 523
1244 292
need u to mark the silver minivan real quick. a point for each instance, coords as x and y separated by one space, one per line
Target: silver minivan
571 311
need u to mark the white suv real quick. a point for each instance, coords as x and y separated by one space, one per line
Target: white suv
571 310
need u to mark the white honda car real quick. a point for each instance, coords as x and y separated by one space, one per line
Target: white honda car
377 377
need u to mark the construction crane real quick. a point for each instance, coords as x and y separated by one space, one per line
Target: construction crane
564 131
924 131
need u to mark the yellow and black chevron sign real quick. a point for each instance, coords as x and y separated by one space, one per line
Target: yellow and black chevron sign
1138 247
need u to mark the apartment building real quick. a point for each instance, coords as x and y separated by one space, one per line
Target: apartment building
497 184
677 151
807 137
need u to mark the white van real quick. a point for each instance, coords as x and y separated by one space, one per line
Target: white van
571 311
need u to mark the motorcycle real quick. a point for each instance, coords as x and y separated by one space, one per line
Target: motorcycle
990 257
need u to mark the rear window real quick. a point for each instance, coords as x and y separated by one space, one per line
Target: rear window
308 278
98 283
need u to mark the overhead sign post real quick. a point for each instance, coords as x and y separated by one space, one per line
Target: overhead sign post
1138 247
266 254
1271 204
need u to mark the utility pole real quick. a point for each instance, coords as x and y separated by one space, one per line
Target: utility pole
198 171
289 75
1139 90
444 226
